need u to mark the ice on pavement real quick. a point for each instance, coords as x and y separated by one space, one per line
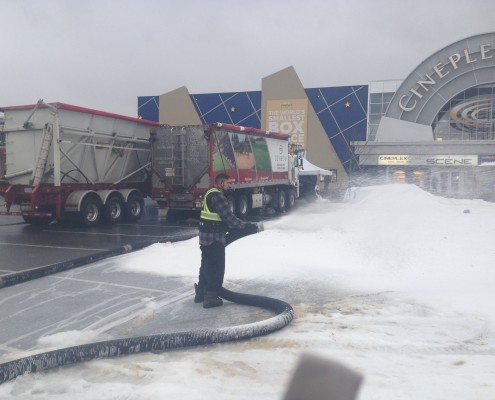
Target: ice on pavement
397 284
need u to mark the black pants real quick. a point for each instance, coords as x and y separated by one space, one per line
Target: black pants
212 270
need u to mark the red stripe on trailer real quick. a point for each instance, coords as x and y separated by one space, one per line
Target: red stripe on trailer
252 131
70 107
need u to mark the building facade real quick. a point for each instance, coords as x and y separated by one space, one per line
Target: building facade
324 121
435 128
438 129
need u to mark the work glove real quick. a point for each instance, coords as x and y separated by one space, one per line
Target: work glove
251 228
255 227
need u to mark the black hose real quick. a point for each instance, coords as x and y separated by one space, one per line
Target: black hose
24 276
154 343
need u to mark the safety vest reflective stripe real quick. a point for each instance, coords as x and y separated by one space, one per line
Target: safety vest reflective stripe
210 216
205 212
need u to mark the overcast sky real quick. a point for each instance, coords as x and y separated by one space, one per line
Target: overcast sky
103 54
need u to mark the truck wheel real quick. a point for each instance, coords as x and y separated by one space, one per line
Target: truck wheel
243 206
231 201
134 207
114 209
281 201
291 199
90 213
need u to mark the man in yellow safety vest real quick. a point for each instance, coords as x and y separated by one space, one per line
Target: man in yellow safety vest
216 220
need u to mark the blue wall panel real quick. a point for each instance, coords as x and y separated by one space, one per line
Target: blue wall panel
241 108
148 108
341 110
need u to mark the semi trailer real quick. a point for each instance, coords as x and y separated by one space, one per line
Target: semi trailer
64 161
67 162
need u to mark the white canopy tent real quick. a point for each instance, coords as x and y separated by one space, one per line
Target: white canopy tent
311 169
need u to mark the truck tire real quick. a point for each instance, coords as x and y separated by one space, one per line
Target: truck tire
243 206
114 209
281 201
291 198
134 207
90 213
231 201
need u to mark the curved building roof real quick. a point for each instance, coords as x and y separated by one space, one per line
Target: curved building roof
452 70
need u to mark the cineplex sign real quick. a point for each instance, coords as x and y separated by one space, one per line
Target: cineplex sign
444 160
451 64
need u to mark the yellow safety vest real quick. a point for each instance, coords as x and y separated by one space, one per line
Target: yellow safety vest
205 212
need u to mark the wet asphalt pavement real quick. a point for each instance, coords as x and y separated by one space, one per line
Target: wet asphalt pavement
99 297
24 247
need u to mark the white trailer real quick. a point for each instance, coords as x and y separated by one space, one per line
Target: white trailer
68 161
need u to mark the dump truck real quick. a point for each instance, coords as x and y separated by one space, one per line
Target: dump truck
63 161
186 159
60 161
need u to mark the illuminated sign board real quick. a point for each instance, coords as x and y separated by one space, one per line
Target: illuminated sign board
443 160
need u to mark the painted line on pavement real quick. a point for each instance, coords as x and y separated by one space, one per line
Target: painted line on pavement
105 234
50 247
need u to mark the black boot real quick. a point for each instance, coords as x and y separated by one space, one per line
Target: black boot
212 300
200 294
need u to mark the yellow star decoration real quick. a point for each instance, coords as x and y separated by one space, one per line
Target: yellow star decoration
347 104
232 109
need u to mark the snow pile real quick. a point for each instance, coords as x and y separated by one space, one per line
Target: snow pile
396 284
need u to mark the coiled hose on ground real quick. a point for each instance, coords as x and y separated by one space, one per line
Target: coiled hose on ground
153 343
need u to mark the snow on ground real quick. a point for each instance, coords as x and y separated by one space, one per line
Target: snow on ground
397 284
